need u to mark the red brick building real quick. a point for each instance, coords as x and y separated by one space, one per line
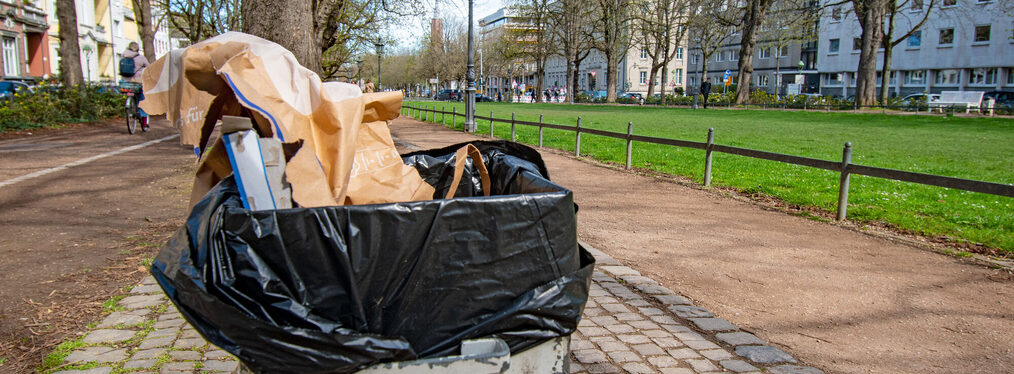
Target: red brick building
24 43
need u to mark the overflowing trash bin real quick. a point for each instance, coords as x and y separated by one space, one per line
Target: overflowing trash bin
459 259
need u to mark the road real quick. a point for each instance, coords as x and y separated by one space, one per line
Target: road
80 208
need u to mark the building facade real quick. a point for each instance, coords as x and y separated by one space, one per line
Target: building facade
23 41
965 45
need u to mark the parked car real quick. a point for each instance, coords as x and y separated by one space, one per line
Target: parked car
448 95
1004 99
921 97
8 88
631 95
479 98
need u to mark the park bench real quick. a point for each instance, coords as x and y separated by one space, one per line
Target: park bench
968 99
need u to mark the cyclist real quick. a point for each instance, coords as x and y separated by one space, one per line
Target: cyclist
139 63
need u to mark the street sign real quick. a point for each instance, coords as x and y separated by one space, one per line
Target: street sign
434 81
727 75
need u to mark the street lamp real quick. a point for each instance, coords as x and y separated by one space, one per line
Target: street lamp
359 72
470 77
380 51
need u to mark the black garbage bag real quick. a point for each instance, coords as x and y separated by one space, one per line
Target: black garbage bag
336 289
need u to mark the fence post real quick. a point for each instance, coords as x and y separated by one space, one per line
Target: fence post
843 188
577 142
707 156
454 117
630 142
442 122
491 124
540 130
512 127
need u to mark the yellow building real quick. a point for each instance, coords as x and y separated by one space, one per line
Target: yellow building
103 34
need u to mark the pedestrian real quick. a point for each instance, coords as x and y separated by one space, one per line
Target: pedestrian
499 96
705 90
368 87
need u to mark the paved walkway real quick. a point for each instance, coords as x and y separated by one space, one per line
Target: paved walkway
631 324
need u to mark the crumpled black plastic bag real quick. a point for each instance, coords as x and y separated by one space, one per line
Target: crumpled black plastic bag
335 289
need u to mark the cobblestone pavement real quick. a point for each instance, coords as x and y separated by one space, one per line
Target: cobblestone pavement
631 325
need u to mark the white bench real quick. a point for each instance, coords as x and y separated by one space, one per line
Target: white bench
968 99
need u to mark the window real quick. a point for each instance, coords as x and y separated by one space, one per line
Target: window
10 56
947 77
915 77
783 51
720 56
915 39
762 80
982 34
765 53
833 45
692 81
916 4
644 52
836 13
857 44
733 55
833 79
677 76
950 3
693 59
679 53
1010 76
644 77
946 36
982 77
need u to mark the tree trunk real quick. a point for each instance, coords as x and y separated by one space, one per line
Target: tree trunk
651 79
290 25
885 85
142 12
70 57
571 78
871 16
753 15
778 73
540 84
665 81
612 67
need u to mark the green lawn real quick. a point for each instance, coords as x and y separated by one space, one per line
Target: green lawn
972 148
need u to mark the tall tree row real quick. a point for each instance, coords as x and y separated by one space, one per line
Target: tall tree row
574 36
660 28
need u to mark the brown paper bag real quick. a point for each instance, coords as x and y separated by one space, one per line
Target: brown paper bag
240 74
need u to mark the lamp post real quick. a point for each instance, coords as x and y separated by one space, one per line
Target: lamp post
380 51
359 72
470 77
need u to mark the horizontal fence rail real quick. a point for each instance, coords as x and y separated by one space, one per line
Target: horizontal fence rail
845 166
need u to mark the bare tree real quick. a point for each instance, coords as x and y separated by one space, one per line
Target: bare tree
613 37
659 27
707 34
537 43
889 44
70 55
344 29
790 22
201 19
146 29
870 14
572 31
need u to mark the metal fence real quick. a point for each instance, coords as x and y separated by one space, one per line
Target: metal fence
845 167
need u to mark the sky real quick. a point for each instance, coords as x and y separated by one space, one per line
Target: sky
409 35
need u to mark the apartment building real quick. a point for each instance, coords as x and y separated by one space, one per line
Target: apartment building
785 68
964 45
23 41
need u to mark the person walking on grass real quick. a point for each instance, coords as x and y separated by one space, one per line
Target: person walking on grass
705 90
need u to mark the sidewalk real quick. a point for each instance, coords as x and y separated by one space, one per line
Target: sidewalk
631 325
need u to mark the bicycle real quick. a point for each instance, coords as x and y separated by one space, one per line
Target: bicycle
132 114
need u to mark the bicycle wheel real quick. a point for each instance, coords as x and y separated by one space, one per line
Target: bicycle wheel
131 115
